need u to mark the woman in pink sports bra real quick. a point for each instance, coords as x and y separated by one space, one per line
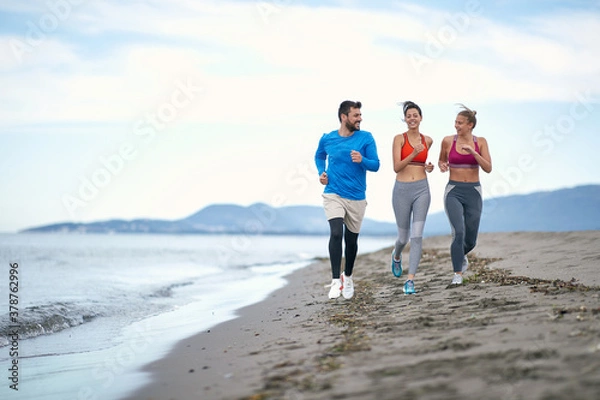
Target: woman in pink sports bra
463 155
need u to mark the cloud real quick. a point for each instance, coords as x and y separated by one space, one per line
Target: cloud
236 94
295 55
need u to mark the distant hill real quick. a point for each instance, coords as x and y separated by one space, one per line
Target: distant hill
573 209
570 209
560 210
258 218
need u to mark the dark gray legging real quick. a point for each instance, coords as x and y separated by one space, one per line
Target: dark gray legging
463 204
338 231
411 198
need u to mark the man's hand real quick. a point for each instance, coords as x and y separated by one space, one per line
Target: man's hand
323 178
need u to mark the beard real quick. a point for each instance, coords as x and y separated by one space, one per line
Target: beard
351 127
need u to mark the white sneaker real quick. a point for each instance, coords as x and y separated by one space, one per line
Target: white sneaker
465 264
348 286
336 288
457 280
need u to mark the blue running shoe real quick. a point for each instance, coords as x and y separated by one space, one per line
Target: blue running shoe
409 287
396 265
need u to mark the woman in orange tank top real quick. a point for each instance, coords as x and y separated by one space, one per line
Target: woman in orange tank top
411 196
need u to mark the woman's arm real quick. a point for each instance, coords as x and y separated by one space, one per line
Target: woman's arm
429 142
483 159
445 148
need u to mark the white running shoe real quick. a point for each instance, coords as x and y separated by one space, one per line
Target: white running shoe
348 286
336 288
457 280
465 264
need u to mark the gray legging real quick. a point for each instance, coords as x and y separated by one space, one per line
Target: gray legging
463 204
411 198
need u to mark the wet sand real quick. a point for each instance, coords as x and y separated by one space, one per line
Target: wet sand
524 325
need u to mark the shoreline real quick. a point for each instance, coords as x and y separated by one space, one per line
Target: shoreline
499 336
216 356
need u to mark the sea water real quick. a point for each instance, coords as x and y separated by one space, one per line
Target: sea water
81 314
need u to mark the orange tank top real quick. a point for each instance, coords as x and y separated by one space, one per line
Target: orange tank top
407 149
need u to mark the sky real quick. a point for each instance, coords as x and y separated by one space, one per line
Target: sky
155 109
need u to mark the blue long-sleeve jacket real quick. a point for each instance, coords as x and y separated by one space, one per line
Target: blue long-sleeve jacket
347 179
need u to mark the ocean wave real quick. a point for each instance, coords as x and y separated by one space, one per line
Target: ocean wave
278 267
43 320
167 291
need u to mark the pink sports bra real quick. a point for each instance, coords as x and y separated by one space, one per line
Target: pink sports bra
457 160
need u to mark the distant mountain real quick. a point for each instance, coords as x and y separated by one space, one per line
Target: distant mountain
571 209
258 218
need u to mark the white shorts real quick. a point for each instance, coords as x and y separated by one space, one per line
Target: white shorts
352 211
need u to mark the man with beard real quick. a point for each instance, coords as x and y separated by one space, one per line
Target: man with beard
343 158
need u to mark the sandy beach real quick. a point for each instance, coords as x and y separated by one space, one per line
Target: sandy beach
524 325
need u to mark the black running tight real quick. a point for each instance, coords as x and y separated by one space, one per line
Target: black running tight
338 231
